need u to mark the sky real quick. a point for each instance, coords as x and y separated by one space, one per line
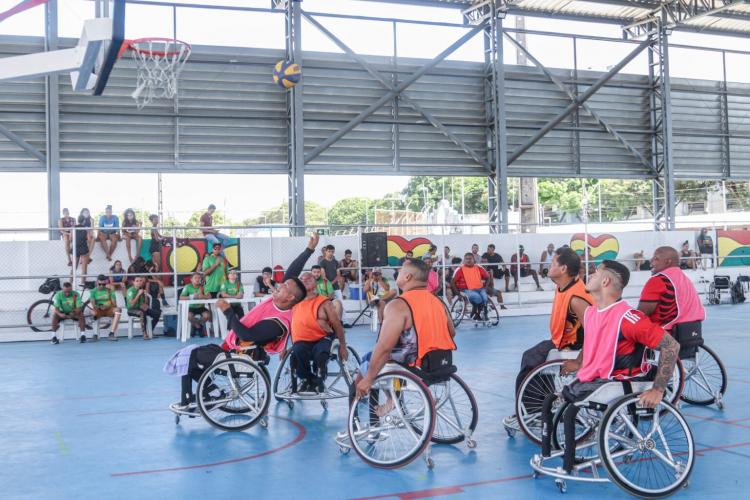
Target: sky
24 195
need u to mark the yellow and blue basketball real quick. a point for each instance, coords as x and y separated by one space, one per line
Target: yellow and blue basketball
286 74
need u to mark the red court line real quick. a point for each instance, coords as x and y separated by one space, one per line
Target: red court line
300 436
719 421
459 488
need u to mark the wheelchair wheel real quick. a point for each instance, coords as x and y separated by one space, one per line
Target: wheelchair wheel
233 394
543 380
456 411
676 384
346 371
705 378
458 310
493 315
587 421
648 453
394 424
282 379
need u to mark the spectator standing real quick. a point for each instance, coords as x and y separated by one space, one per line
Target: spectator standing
446 258
524 268
705 247
214 271
158 242
211 234
687 257
347 268
232 289
65 224
131 230
82 251
67 305
264 284
85 220
330 267
109 232
546 259
475 253
498 271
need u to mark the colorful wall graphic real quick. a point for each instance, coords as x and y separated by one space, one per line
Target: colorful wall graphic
734 248
602 247
190 253
398 246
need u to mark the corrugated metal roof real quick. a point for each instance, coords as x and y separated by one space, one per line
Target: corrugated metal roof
623 11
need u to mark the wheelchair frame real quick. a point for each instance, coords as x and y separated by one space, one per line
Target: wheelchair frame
396 380
235 364
611 458
460 309
285 376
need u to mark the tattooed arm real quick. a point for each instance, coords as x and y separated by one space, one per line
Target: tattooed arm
669 350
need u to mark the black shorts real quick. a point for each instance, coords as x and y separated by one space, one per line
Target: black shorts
198 310
154 247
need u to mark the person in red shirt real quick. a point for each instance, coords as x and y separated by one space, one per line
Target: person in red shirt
472 280
211 234
613 349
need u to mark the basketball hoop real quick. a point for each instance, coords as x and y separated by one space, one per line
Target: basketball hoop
159 62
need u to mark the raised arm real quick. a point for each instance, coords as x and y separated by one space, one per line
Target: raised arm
298 264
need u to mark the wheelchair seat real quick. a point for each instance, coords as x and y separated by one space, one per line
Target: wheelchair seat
565 354
607 393
255 352
437 366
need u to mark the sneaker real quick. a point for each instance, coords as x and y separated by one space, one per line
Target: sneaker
164 302
304 386
539 289
320 387
95 338
112 337
82 339
502 306
55 340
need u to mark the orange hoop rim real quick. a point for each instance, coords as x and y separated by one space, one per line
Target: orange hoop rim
130 45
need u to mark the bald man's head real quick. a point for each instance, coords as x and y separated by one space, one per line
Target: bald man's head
663 258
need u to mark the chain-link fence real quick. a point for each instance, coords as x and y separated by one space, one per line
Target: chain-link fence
32 269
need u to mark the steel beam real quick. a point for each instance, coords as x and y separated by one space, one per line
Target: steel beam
578 102
572 96
497 137
391 94
52 132
403 97
14 138
296 121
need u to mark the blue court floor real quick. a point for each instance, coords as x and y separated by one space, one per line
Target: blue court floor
90 420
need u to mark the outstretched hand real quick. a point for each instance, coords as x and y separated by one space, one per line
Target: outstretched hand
314 239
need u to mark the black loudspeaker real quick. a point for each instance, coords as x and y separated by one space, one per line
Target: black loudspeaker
374 249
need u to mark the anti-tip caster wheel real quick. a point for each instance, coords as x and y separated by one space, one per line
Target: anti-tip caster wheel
471 443
430 463
535 475
686 484
290 404
560 483
263 422
719 401
324 404
511 432
344 450
177 420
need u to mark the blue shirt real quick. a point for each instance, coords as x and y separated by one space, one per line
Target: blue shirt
109 223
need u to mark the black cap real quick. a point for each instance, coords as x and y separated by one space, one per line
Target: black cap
101 277
267 270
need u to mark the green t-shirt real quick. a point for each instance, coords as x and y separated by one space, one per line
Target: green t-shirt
190 290
104 297
324 287
232 288
130 295
67 304
217 276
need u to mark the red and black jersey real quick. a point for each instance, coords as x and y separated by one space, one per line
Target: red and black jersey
660 289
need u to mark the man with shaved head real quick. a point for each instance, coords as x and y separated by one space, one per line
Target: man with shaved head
670 300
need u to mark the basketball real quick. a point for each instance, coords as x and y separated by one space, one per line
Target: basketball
286 74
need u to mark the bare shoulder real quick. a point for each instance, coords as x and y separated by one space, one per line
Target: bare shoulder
397 306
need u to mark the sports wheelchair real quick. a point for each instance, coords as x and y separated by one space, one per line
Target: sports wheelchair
720 285
460 310
546 379
647 452
407 410
339 381
234 392
705 378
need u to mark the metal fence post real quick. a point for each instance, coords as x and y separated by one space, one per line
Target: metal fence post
359 269
174 270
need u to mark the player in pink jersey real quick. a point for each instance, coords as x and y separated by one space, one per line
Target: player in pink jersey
613 349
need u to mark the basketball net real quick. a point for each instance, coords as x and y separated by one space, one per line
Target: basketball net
158 62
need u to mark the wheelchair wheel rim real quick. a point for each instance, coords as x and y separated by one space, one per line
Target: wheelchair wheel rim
400 435
455 411
650 454
705 376
538 384
233 394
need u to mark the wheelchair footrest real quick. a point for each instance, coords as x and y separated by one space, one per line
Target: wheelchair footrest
581 472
